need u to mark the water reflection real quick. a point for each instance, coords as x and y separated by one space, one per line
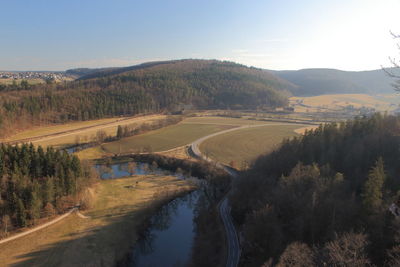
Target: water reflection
168 240
120 170
76 148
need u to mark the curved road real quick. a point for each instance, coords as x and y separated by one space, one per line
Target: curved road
224 208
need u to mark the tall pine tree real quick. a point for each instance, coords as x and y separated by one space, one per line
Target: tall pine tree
372 191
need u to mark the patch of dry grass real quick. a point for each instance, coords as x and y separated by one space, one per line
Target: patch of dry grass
179 153
339 101
84 131
9 81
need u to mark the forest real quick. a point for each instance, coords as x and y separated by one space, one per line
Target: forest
323 199
167 87
37 183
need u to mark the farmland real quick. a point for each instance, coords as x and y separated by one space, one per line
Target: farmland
239 148
338 102
158 140
71 133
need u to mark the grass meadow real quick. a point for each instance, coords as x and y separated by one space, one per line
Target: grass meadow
239 148
159 140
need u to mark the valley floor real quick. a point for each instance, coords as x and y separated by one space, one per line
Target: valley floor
120 207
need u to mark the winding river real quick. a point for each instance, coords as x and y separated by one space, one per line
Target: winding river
169 239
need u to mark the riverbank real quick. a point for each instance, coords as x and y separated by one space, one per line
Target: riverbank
119 208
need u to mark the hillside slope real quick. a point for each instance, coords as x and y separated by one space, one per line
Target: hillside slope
147 88
311 82
324 196
79 72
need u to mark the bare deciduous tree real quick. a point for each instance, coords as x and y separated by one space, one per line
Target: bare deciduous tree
395 65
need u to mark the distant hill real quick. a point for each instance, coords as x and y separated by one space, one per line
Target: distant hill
304 82
98 73
208 83
79 72
166 86
312 82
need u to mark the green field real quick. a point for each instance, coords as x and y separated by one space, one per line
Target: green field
158 140
103 238
241 147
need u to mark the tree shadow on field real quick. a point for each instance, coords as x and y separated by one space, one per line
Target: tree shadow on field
107 245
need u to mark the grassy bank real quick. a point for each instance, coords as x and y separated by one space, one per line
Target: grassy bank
120 206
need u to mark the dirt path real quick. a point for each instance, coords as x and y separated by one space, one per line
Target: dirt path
5 240
80 215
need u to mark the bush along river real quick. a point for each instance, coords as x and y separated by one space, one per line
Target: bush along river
168 237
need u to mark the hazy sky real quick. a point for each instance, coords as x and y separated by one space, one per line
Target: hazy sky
281 34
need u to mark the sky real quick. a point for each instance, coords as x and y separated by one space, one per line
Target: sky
279 34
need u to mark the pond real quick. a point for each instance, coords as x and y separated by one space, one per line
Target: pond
120 170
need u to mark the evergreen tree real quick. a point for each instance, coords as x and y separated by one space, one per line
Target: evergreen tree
21 213
35 204
373 187
49 191
33 180
120 132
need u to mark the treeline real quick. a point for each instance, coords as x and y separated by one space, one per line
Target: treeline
131 130
37 183
60 103
322 199
170 86
124 131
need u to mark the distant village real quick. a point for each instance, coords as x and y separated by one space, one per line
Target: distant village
29 75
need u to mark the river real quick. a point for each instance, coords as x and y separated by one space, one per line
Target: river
169 239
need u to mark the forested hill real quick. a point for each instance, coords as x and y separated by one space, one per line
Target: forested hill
322 199
86 71
211 76
312 82
148 88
